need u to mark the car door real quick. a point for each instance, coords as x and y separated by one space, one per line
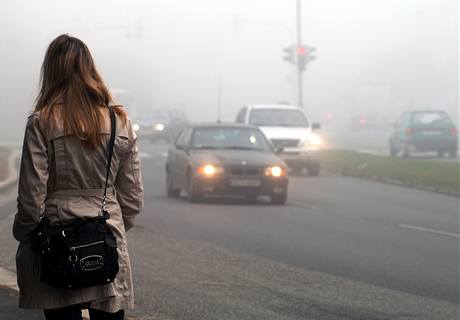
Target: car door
397 135
174 156
182 157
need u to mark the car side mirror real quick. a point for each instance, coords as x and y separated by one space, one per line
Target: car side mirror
315 126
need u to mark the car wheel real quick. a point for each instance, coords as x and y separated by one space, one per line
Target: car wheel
278 199
192 195
452 154
170 190
393 151
406 151
313 170
440 153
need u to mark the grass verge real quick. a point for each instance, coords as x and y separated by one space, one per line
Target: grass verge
440 176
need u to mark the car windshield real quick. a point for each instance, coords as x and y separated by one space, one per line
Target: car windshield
229 138
278 118
431 118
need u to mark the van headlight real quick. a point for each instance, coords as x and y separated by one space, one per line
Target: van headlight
313 141
136 127
159 127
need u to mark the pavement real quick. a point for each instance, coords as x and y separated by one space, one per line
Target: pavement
341 248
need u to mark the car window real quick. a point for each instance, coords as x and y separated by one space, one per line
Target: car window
180 141
278 118
430 118
229 138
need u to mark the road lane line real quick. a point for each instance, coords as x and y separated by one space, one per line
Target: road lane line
444 233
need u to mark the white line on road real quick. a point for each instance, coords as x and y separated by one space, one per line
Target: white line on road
444 233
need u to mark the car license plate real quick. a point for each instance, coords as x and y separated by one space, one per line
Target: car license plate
432 132
245 182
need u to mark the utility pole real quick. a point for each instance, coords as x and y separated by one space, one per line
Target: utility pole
299 45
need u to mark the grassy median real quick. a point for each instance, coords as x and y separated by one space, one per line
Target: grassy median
436 175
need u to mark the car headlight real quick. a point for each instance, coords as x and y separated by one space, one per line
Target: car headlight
159 127
136 127
275 171
209 170
313 141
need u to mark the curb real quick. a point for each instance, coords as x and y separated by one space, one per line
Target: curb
409 185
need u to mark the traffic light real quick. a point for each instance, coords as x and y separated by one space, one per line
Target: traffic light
304 55
289 54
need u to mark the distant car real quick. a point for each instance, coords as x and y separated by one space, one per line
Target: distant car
288 128
160 124
424 131
225 159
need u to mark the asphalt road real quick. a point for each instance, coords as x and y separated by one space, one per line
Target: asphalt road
341 248
390 236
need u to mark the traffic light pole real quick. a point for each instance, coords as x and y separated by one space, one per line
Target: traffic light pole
299 44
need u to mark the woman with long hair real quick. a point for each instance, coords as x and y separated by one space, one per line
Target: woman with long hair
62 176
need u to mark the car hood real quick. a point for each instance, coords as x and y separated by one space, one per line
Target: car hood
286 132
236 157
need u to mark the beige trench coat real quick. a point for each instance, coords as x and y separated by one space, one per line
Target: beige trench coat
62 179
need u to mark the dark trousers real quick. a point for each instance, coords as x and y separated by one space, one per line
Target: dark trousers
74 313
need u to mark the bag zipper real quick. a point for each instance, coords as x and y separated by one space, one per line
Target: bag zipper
86 245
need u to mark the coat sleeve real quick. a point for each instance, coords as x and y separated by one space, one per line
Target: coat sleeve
130 191
33 179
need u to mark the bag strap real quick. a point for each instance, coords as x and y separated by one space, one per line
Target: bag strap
113 128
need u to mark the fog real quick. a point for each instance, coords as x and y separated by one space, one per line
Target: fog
373 56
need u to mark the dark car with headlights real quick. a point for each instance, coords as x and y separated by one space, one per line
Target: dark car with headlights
225 159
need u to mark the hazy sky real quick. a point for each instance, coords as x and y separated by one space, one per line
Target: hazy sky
373 56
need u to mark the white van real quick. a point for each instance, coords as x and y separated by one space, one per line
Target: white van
290 131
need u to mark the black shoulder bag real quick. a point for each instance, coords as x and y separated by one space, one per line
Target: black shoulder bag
80 253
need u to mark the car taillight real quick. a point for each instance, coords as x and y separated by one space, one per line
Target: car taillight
408 131
453 132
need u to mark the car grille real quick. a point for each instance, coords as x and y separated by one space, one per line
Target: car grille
244 172
285 143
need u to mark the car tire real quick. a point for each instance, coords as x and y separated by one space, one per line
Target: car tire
192 196
171 192
393 151
406 151
278 199
313 170
440 153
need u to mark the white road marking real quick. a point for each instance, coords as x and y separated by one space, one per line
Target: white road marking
444 233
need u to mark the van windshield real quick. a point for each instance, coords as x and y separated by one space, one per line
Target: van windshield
278 118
